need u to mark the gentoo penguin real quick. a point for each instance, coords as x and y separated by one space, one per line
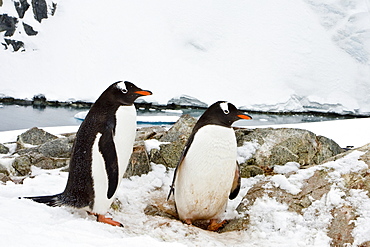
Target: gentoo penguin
101 152
207 173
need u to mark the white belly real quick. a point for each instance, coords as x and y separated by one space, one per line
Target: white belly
205 178
123 140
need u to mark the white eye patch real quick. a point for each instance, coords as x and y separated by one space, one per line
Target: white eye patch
225 107
122 87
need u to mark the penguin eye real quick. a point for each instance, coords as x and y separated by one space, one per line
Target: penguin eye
226 111
124 90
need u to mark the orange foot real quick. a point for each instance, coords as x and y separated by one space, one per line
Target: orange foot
188 221
214 226
103 219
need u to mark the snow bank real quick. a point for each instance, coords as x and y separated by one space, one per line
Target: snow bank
261 55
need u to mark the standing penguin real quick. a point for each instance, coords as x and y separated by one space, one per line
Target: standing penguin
207 173
101 152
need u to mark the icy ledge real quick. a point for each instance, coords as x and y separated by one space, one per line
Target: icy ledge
303 104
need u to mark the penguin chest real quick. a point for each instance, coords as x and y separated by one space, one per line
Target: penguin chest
205 177
109 168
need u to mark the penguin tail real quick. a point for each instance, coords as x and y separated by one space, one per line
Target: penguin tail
52 201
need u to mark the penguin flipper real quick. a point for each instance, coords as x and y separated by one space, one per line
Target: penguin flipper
108 151
52 201
236 183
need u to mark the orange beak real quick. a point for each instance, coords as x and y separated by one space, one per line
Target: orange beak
246 117
144 93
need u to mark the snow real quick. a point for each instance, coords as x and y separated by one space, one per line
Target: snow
271 223
260 55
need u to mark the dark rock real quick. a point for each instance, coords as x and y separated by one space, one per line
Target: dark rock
16 44
35 136
29 30
40 9
139 162
21 7
3 149
39 100
8 24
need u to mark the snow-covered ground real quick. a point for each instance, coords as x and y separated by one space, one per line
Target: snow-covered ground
260 54
26 223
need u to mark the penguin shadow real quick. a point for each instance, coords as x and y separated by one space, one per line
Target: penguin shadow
167 209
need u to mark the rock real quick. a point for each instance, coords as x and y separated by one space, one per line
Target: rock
342 225
3 170
40 9
169 154
4 178
29 30
145 133
3 149
35 136
21 7
22 165
15 44
279 146
321 186
248 171
60 148
8 24
139 162
180 130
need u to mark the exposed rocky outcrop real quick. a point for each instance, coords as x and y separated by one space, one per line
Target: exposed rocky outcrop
41 9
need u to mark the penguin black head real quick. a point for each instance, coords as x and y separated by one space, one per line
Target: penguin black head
124 93
221 113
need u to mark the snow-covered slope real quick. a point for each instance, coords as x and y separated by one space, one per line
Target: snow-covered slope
261 54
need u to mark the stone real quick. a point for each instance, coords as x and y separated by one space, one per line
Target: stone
22 165
40 10
3 149
21 7
29 30
180 130
15 44
8 24
61 147
250 171
168 154
177 136
155 132
139 162
279 146
3 170
35 136
342 225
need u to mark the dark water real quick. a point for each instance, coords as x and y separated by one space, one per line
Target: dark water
13 117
